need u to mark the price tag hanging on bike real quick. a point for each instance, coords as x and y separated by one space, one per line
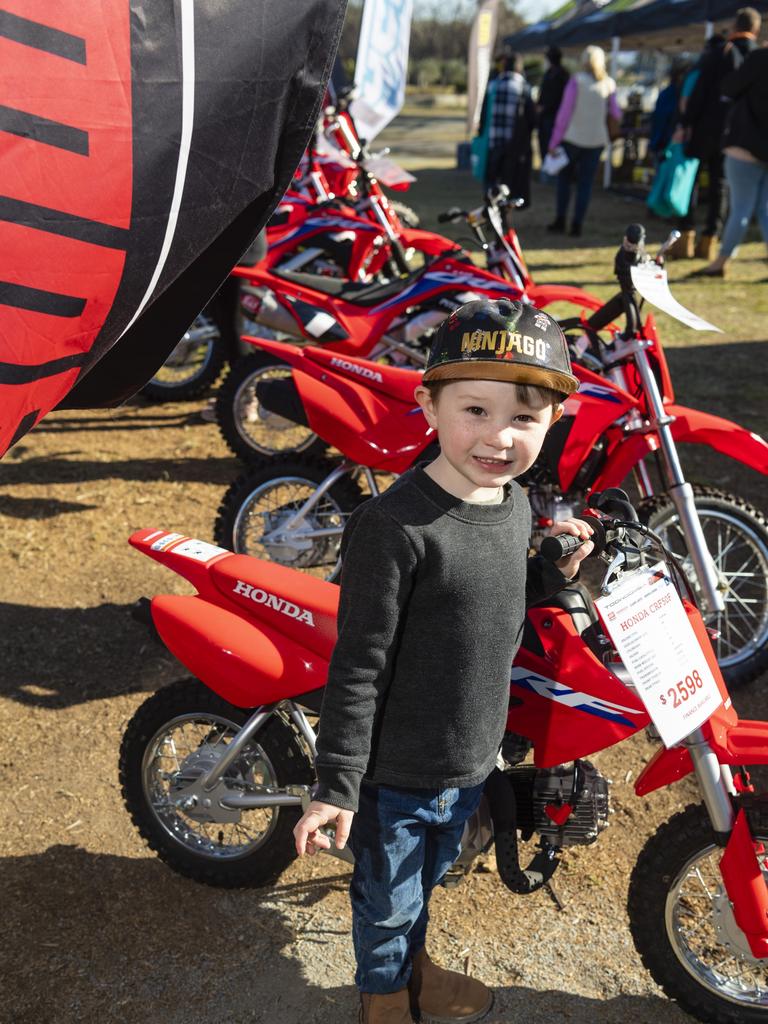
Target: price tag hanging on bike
647 623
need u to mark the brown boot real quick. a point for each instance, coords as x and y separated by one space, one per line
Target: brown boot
706 247
684 248
447 997
393 1008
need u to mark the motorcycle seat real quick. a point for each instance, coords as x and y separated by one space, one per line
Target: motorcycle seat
349 291
301 607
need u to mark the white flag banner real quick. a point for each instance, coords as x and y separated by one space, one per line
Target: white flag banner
382 64
481 42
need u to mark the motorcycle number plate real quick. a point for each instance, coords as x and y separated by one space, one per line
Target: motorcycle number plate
648 625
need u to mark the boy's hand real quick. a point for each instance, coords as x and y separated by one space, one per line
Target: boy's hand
577 528
309 839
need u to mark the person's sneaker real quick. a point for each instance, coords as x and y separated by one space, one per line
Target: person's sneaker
557 226
575 231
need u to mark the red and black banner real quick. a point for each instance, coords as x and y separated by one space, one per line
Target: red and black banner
142 146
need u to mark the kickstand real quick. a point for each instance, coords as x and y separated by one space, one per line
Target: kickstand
554 896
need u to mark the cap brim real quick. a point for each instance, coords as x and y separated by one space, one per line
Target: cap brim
514 372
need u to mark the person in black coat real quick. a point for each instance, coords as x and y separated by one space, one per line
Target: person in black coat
746 155
705 115
550 94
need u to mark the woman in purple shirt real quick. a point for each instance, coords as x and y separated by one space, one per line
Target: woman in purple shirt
581 128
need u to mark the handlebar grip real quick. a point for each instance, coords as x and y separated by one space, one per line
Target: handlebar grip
453 214
555 548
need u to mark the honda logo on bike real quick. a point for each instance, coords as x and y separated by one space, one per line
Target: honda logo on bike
362 371
273 601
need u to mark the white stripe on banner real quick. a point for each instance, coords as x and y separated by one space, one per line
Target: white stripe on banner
187 120
382 64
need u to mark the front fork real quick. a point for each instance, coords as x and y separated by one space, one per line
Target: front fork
739 866
680 491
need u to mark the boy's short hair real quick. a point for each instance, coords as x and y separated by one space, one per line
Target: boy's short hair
532 395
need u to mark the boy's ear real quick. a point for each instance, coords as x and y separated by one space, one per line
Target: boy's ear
557 412
425 399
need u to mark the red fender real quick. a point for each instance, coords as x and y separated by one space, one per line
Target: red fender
664 768
745 886
690 426
734 742
541 295
694 427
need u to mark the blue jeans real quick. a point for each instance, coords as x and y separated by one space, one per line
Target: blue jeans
581 167
404 841
748 186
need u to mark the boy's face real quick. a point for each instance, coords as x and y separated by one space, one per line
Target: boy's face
487 435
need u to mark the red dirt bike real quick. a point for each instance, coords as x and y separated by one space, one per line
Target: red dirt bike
292 509
390 322
335 221
216 769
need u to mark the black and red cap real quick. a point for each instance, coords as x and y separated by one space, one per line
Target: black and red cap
497 339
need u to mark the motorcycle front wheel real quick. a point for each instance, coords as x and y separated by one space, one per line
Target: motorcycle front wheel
251 431
258 505
737 537
174 737
683 927
193 365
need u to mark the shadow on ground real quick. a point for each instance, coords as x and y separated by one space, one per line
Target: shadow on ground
56 470
98 937
58 657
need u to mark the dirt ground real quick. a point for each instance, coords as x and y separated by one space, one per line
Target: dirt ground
95 928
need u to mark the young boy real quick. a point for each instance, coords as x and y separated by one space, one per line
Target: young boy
435 580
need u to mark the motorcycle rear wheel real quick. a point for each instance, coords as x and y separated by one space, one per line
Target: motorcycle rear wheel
185 722
251 431
193 365
683 927
737 537
257 503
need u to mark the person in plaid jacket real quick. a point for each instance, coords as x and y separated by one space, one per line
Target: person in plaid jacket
512 115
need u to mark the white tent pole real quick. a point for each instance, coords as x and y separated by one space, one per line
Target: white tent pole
608 165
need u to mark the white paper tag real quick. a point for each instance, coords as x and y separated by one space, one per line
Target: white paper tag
647 623
199 550
554 162
388 172
651 282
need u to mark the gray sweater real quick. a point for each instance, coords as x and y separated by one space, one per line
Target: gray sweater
433 597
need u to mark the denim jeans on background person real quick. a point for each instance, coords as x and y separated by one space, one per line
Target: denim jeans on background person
404 841
581 168
748 187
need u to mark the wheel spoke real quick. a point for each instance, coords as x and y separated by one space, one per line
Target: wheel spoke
193 745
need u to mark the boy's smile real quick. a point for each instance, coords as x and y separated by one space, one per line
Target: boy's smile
488 436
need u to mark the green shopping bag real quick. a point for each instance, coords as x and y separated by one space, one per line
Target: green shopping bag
478 147
672 187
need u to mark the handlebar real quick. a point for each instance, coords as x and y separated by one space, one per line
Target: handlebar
453 214
610 513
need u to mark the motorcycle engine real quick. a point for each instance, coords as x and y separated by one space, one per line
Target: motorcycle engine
567 804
